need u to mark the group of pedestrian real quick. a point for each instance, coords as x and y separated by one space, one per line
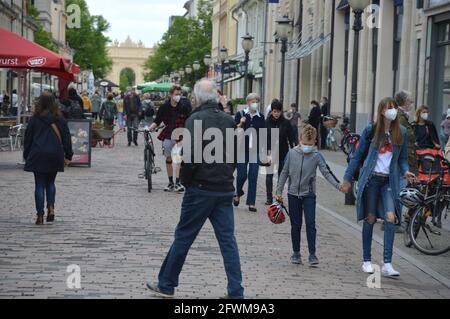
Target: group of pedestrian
384 159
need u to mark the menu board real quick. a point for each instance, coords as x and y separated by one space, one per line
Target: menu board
81 133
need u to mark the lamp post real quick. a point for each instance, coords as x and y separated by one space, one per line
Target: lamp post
223 58
207 61
358 7
196 65
284 26
181 72
247 45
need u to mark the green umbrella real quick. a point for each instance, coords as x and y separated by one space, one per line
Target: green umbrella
159 87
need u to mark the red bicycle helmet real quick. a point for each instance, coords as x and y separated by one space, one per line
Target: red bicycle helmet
277 213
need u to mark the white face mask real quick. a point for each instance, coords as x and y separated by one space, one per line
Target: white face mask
424 116
177 98
391 114
254 107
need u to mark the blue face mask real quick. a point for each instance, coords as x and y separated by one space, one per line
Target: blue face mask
307 149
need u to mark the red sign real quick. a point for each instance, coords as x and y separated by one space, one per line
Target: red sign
36 62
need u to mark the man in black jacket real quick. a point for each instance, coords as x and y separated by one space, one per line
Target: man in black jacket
132 107
286 141
209 195
325 109
315 117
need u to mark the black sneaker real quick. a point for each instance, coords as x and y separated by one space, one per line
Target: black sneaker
296 259
169 188
129 144
136 144
313 260
179 188
158 292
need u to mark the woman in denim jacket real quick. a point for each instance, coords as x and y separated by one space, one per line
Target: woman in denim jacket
383 148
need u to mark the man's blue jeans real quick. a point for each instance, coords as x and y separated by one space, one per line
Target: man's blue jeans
298 205
44 185
252 175
198 206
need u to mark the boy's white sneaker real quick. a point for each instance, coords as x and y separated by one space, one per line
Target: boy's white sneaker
368 268
389 271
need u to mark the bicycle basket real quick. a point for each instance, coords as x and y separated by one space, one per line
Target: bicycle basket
431 166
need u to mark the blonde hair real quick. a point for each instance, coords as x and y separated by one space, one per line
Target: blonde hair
309 133
419 112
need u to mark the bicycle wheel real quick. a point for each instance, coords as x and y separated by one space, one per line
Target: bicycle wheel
149 169
427 237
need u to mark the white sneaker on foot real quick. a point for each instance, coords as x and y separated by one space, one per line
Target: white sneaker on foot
389 271
368 268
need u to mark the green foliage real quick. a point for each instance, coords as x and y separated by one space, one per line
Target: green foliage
186 41
127 78
238 102
89 42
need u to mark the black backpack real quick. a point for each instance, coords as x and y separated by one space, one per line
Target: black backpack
75 110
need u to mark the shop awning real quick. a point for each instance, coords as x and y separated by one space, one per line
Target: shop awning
17 52
232 79
308 47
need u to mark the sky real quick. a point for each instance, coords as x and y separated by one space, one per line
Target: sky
145 20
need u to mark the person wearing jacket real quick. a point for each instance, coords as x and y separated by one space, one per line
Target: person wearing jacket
209 195
96 102
425 131
250 123
132 108
173 114
47 147
108 112
300 168
315 117
383 154
285 141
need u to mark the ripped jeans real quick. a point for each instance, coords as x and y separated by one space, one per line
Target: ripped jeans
378 190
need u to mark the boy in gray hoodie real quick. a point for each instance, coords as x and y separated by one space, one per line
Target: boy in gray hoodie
300 167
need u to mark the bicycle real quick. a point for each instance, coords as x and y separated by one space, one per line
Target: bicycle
426 231
149 157
330 123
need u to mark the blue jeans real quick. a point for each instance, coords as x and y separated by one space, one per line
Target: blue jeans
120 120
250 171
298 205
199 205
44 185
378 190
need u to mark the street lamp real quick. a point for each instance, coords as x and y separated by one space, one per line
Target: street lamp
358 7
196 65
247 45
188 69
284 26
223 58
207 61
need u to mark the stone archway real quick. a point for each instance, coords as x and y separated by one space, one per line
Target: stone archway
128 55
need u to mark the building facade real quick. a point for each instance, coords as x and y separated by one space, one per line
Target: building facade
405 45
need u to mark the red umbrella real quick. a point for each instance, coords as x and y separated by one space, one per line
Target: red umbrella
18 52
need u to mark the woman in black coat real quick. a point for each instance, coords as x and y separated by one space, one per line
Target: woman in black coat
48 147
286 136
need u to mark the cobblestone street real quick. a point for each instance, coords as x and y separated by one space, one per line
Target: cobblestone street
119 234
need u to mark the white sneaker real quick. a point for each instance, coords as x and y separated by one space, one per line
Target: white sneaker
389 271
368 268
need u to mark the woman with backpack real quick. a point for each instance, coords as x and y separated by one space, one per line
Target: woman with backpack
108 112
47 148
383 155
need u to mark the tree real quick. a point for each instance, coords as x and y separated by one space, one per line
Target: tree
186 41
127 79
89 42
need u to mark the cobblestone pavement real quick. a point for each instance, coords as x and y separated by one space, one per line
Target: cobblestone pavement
119 234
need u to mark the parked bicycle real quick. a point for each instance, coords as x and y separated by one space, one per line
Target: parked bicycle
428 229
149 157
330 123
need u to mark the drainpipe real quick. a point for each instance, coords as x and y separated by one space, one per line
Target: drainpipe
330 76
266 31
